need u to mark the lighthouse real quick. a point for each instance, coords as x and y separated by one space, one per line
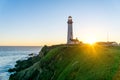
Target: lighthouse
70 31
70 39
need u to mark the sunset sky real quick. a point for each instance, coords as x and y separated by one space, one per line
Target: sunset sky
40 22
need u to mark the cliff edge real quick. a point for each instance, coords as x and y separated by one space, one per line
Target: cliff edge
70 62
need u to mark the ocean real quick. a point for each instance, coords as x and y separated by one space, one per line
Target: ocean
10 54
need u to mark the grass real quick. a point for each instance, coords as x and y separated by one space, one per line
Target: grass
86 62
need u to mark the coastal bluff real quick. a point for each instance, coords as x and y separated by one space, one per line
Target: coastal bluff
70 62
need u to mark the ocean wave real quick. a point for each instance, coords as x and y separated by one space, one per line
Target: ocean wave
9 57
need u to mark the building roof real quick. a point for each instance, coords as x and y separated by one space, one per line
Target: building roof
75 40
106 43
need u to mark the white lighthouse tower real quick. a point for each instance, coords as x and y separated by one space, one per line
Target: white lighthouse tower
70 31
70 39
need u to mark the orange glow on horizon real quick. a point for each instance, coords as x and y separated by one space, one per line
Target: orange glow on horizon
31 43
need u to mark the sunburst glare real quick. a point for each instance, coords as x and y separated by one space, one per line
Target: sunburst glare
90 40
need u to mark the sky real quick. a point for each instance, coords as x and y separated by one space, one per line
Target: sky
44 22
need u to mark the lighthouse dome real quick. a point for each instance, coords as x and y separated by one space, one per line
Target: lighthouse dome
70 17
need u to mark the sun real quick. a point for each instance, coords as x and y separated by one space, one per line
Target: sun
90 40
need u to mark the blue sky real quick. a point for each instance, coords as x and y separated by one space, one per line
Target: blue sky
40 22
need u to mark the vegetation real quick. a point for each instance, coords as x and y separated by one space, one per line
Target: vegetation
71 62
